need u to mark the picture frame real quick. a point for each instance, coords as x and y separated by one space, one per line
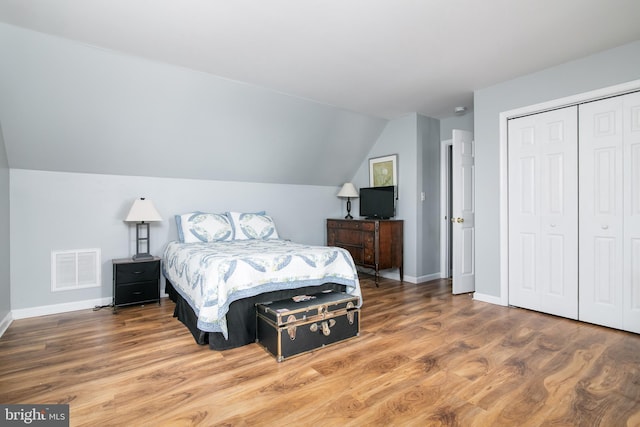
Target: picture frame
383 171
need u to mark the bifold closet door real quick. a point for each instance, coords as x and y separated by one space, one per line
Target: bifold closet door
543 212
610 212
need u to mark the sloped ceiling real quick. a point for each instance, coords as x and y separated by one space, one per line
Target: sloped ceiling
70 107
154 88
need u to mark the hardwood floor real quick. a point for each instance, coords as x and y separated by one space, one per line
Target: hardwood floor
423 357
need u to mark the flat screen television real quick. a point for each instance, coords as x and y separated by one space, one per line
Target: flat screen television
378 202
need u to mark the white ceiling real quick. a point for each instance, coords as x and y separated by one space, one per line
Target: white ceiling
385 58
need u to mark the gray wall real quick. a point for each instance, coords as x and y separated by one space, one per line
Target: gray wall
428 246
64 211
398 137
463 122
70 107
415 139
5 253
607 68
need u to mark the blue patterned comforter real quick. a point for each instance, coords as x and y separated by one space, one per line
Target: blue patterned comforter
210 276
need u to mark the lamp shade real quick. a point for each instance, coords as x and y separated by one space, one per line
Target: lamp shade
348 190
143 210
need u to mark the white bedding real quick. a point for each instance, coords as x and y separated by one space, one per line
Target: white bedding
210 276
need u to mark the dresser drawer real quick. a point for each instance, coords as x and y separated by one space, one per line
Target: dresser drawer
357 253
351 225
369 249
368 226
137 272
349 237
136 292
332 223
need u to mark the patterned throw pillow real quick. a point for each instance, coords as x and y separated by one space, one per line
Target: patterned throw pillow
252 226
203 227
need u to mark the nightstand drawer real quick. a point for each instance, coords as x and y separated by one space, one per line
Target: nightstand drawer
137 272
136 292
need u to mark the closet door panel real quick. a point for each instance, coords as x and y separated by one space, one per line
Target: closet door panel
543 212
523 215
559 212
631 275
601 206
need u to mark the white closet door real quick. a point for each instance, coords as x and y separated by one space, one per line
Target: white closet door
543 212
631 233
601 212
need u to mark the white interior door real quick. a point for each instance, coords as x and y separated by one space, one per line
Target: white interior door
601 219
610 212
463 215
543 212
631 275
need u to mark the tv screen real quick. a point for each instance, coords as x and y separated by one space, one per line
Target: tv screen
378 202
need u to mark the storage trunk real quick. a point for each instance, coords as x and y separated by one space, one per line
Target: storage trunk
304 323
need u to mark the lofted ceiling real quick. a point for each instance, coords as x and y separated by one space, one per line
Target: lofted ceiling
384 58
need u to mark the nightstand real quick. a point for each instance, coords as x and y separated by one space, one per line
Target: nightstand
135 281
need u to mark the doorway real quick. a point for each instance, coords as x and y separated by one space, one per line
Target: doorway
446 208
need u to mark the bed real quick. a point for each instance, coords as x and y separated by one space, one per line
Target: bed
223 264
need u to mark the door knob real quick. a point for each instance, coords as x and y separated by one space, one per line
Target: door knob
459 220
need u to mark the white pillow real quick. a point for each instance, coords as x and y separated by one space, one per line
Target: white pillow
203 227
252 226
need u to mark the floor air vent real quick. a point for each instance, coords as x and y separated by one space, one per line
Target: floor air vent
75 269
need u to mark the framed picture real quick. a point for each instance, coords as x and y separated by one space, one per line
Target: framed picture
383 171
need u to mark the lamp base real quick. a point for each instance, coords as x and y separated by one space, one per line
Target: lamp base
142 257
142 242
348 209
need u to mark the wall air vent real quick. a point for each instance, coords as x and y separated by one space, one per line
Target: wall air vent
76 269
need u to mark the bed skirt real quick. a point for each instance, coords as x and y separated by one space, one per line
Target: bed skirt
241 317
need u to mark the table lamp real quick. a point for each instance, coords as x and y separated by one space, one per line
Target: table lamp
348 191
142 212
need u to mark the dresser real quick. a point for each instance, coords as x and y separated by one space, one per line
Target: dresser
372 243
135 282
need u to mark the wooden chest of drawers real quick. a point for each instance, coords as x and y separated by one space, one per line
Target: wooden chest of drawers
375 244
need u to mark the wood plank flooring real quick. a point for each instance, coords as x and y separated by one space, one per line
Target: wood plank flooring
424 357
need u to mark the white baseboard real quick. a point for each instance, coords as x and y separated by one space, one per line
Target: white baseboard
429 277
488 298
5 323
395 275
23 313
